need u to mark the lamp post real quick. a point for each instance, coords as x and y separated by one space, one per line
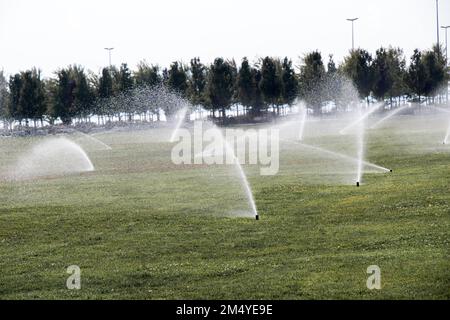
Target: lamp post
353 39
446 48
437 22
109 51
446 57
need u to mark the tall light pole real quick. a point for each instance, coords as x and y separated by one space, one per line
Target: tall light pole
109 51
446 48
353 39
446 56
437 22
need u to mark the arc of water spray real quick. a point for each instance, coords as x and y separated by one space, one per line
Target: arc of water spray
361 118
388 116
303 117
360 142
340 155
447 135
242 175
107 147
181 116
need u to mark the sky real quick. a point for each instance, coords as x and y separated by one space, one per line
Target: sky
50 34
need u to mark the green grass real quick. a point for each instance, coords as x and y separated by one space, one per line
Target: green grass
140 227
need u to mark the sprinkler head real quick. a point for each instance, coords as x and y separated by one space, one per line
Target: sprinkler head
257 217
357 183
390 170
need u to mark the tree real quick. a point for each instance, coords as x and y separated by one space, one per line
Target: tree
331 66
220 85
397 67
246 85
4 96
257 103
105 84
84 95
434 64
270 83
15 87
32 99
64 99
312 77
123 79
358 67
416 74
147 75
177 78
289 89
197 82
382 74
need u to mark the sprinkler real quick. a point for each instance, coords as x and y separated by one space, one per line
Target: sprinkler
357 183
257 217
390 170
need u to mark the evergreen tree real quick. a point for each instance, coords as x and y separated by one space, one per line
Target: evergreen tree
105 84
4 96
312 77
64 98
289 89
257 102
177 78
417 75
270 83
124 79
434 64
220 85
15 87
331 66
358 67
84 95
246 85
197 82
382 74
32 99
147 75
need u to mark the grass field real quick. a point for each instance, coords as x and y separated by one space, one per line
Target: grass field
141 227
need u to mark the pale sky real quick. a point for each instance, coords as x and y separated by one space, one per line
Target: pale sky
50 34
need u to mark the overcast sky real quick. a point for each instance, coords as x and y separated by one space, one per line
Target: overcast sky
54 33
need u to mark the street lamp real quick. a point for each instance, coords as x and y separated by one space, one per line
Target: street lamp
446 56
437 22
446 50
353 41
109 51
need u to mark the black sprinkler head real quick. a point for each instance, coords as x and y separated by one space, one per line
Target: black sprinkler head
257 217
357 183
390 170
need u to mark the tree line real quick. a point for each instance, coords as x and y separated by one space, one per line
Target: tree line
74 94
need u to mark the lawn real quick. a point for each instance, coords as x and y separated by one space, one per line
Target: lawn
141 227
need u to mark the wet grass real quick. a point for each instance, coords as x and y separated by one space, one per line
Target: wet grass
141 228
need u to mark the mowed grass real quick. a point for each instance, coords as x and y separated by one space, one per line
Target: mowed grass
141 227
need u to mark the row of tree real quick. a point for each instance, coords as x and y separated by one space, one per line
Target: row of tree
270 83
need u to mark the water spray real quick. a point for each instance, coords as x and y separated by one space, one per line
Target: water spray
389 115
361 118
340 155
181 116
